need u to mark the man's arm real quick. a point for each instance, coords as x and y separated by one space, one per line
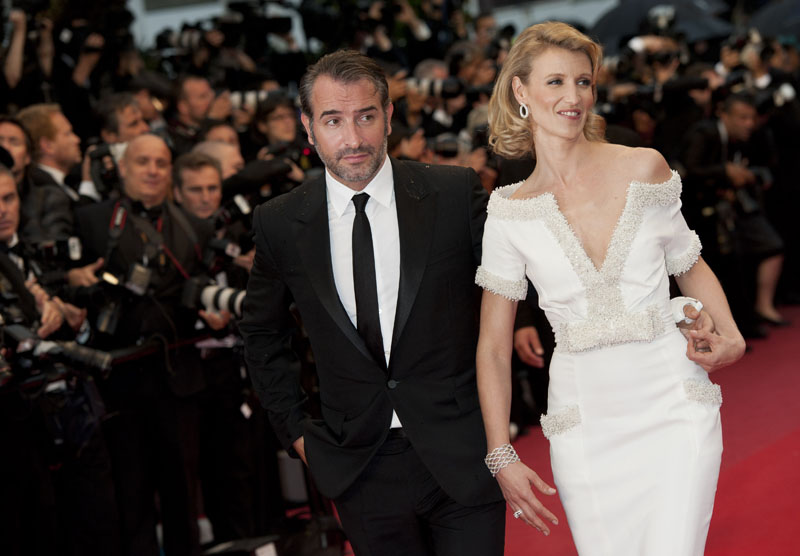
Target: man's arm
267 327
477 212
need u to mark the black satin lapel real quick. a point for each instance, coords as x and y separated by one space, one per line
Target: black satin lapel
314 247
415 218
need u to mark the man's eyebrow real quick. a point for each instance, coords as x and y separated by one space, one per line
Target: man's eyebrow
359 111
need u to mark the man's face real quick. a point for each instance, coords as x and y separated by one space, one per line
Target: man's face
9 208
739 120
280 125
197 98
131 124
64 149
349 129
223 134
12 139
230 160
145 169
200 192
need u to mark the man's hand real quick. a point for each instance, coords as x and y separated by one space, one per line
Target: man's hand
38 293
72 314
528 346
245 260
300 448
85 275
517 481
217 321
221 107
739 175
51 319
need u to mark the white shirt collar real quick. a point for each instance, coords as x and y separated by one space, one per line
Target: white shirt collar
57 174
14 240
381 188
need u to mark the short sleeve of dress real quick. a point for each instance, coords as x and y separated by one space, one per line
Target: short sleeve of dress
683 247
502 270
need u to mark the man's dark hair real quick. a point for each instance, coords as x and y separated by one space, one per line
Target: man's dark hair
272 103
109 107
733 98
344 66
193 161
4 119
6 171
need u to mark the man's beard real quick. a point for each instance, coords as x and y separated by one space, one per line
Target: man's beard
334 164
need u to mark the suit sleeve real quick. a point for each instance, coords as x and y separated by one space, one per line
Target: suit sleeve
267 327
477 216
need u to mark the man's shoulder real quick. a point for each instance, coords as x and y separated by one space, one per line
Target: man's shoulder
430 171
92 212
294 201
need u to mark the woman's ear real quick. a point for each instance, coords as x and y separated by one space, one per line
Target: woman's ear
518 89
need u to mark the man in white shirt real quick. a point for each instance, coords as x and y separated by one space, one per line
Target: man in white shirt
378 257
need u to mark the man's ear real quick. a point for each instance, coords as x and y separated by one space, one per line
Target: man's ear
389 112
176 194
307 125
45 146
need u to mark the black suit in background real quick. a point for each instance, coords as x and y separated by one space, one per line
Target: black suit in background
153 432
430 380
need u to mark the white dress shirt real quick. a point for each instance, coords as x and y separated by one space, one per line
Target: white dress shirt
382 214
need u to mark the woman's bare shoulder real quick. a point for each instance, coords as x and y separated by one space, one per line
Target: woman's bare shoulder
645 165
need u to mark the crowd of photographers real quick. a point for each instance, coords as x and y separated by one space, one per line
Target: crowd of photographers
127 178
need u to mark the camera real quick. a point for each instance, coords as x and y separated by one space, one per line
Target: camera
32 362
103 167
202 292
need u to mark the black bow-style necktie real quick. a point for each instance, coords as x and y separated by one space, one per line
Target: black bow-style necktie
365 283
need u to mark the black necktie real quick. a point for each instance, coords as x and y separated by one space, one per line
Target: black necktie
366 287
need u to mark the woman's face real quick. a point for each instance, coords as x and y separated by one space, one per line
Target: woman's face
558 93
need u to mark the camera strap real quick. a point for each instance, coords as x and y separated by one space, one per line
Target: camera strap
152 233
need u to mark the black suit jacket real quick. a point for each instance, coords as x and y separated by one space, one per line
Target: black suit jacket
47 209
161 312
430 380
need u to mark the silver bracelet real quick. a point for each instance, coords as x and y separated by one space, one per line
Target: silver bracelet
500 457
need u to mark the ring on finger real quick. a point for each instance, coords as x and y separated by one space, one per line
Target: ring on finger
517 514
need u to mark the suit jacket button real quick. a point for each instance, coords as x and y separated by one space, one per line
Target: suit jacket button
392 384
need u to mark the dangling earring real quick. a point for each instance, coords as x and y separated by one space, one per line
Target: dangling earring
523 111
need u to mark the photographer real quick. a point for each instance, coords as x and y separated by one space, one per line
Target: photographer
151 248
234 458
28 66
47 421
195 104
120 121
727 169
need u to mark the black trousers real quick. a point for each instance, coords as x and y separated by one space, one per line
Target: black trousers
396 508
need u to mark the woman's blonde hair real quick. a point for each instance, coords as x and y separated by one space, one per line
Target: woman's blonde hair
509 134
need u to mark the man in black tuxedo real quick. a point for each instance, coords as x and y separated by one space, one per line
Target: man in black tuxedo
384 286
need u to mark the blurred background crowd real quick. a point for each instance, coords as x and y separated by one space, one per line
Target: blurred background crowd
123 398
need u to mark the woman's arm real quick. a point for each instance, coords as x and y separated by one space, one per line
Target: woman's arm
727 344
494 388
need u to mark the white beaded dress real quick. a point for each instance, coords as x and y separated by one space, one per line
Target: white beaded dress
633 424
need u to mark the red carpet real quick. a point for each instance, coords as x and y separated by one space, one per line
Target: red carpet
756 511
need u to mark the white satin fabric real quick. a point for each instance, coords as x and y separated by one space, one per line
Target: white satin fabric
634 427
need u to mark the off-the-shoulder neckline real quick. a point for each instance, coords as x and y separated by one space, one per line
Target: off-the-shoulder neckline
505 192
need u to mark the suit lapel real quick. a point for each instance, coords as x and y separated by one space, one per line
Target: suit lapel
314 246
415 218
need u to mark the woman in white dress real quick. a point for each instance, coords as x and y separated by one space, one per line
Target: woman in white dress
633 419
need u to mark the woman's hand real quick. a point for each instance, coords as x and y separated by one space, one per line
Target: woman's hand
721 351
516 482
